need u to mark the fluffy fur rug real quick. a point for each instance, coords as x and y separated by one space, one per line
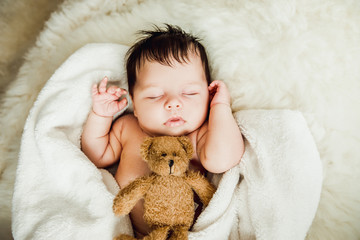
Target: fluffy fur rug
20 23
282 54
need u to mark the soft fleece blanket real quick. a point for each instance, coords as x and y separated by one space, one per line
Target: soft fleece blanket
272 194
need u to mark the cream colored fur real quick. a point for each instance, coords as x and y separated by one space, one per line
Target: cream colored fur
20 23
280 54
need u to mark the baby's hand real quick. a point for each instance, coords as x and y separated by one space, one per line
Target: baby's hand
105 101
219 93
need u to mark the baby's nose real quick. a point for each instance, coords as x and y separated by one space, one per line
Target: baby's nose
173 104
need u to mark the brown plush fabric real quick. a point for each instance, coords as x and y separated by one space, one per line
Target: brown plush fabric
168 191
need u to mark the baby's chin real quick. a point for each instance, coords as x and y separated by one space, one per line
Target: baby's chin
171 132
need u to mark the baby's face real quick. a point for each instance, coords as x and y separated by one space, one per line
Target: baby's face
171 100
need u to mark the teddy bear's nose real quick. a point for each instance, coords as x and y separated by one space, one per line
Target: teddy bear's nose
171 163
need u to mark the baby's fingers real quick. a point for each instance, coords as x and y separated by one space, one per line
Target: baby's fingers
102 85
112 90
216 84
94 90
119 92
116 91
218 93
122 104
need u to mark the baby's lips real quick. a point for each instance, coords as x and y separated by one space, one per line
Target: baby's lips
174 122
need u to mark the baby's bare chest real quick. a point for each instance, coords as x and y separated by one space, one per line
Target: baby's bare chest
131 156
131 163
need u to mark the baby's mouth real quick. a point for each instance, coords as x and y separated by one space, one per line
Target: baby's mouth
174 122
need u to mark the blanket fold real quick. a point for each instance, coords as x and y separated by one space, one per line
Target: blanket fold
272 194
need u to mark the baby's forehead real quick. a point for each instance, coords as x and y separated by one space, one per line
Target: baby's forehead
154 83
157 88
170 60
153 72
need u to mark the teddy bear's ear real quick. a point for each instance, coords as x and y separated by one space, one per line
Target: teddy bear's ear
145 147
187 145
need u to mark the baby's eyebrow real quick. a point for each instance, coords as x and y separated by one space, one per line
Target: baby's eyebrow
152 90
195 86
151 87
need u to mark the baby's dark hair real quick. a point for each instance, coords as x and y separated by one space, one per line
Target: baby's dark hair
163 46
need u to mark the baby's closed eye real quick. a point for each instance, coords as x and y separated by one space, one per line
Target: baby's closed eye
154 97
190 92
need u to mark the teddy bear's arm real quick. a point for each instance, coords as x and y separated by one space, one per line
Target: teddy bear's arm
203 188
130 195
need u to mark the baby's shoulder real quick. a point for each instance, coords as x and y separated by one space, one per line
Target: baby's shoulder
127 117
198 136
128 131
128 120
202 130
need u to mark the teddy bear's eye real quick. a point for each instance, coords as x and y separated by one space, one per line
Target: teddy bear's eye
164 155
174 154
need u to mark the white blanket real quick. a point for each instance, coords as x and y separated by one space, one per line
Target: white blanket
272 194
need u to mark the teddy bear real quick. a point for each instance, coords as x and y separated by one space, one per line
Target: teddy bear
168 191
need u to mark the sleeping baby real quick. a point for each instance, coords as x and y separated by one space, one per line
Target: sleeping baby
170 88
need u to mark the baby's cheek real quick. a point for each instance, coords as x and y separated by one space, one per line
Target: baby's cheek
200 114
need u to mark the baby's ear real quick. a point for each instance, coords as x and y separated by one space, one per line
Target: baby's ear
186 144
145 147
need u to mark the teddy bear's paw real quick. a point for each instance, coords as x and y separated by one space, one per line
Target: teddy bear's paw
179 233
124 237
119 209
160 233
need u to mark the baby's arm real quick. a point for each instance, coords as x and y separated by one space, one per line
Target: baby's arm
220 143
100 144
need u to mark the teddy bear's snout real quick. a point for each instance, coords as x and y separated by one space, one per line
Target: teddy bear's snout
171 163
